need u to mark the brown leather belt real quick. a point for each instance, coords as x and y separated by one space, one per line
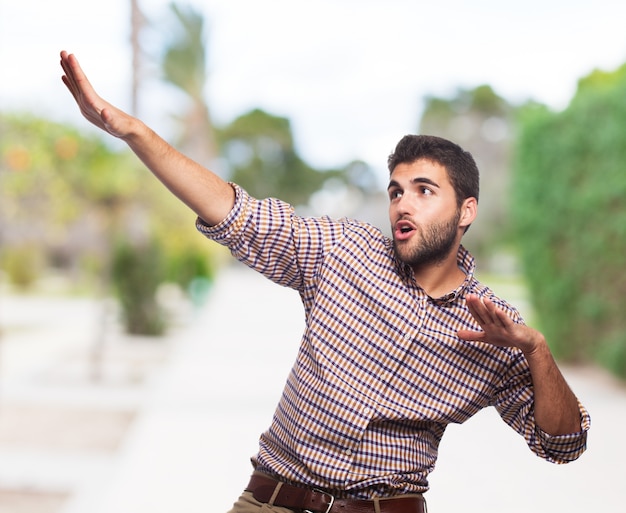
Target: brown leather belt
299 498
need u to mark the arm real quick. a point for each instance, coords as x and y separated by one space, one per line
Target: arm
210 197
556 406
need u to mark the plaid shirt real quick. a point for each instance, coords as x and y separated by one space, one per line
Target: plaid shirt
380 372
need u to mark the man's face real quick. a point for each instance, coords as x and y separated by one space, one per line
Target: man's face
423 212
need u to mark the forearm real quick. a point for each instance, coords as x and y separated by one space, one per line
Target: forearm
210 197
203 191
556 406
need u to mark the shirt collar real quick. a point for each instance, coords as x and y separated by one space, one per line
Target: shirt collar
466 263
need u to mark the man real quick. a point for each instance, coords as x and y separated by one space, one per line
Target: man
400 338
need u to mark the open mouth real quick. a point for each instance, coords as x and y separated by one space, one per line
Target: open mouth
403 230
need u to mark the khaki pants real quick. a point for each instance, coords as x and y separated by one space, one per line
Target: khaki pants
247 504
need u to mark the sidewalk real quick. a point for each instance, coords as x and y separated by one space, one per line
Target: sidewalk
180 435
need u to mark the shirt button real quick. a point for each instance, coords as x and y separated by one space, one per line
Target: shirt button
367 410
348 452
406 336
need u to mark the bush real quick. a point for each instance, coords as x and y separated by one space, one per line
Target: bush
22 264
193 269
137 272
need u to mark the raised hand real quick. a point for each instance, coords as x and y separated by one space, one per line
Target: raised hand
96 110
498 328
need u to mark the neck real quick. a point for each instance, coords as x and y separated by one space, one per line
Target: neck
439 278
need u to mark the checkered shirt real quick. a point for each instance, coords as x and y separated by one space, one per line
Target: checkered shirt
380 371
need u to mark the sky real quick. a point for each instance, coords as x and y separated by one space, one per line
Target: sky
351 75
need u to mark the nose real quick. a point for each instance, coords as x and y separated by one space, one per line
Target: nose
401 206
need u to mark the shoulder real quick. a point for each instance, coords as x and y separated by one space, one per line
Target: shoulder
363 237
482 290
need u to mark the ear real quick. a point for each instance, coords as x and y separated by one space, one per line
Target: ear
469 211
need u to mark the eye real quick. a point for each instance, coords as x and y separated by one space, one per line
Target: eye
426 191
395 194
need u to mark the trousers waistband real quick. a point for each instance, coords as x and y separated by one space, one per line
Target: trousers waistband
269 490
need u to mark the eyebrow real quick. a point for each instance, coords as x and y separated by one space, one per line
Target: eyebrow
415 181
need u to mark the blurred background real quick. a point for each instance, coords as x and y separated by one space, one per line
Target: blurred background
129 344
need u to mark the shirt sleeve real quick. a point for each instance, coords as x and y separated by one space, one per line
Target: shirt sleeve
565 448
270 238
515 404
231 225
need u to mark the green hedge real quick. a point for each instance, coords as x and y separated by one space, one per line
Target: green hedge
569 206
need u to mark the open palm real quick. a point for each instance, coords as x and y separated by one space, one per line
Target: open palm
96 110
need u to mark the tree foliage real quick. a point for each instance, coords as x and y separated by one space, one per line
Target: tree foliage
569 190
184 65
262 157
184 60
257 147
482 122
59 190
137 272
69 200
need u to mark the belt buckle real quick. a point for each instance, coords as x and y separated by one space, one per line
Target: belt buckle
330 505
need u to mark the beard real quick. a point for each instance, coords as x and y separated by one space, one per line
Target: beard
431 245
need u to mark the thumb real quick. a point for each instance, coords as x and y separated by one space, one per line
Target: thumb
112 123
470 335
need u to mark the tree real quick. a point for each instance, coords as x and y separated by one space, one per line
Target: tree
262 158
69 200
482 122
137 23
61 190
184 66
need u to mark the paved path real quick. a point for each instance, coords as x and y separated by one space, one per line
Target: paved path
211 389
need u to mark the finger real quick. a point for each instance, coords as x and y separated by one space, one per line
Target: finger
495 316
70 81
78 80
503 319
67 68
493 312
68 84
109 123
498 316
471 336
477 308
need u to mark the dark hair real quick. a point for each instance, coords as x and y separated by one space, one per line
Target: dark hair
460 165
